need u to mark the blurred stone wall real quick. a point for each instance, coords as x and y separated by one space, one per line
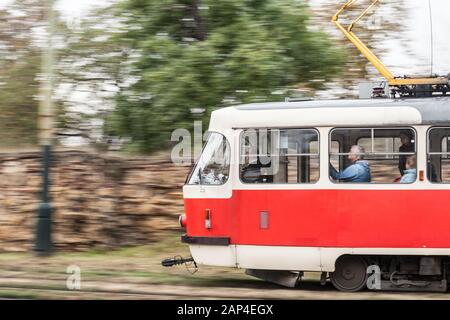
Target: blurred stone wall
100 201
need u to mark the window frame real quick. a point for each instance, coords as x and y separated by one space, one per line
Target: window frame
288 155
194 166
434 153
372 137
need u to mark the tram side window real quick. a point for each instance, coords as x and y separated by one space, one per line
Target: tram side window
438 155
213 166
373 155
279 156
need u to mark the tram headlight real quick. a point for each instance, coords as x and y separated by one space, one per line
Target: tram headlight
182 221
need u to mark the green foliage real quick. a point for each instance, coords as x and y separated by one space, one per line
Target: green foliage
18 105
199 54
20 63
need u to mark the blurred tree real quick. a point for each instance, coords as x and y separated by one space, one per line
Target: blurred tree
198 55
18 105
91 66
20 63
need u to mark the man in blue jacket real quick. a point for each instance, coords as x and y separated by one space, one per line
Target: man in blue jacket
358 171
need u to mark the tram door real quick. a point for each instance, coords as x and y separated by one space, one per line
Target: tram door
276 166
292 202
255 174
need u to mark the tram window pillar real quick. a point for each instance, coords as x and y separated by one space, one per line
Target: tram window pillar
434 167
281 174
304 162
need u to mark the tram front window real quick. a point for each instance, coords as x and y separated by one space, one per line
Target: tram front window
213 166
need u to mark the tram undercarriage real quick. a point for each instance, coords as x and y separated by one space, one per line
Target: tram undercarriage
385 273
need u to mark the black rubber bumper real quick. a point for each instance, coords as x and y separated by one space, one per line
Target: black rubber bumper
209 241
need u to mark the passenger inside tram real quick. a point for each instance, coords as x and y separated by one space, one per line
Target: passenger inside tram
432 175
358 171
406 138
410 172
209 176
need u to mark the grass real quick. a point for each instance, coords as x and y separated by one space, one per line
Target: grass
141 264
17 294
28 276
170 242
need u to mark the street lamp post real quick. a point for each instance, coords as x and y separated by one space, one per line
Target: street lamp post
43 241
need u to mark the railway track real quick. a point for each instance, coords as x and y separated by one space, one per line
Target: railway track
133 290
38 288
124 294
99 294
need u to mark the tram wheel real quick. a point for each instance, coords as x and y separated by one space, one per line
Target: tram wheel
350 274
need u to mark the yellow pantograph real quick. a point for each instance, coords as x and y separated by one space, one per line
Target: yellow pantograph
393 81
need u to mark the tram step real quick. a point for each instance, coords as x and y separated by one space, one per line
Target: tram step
284 278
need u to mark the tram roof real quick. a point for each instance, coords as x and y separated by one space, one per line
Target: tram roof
323 113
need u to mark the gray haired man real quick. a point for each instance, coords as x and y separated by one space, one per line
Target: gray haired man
358 171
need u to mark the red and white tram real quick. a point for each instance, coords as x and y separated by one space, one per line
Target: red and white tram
261 196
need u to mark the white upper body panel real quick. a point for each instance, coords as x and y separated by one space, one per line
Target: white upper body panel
229 118
349 113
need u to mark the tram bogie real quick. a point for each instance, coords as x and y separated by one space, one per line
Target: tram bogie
391 273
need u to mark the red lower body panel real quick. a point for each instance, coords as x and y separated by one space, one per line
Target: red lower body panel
327 218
